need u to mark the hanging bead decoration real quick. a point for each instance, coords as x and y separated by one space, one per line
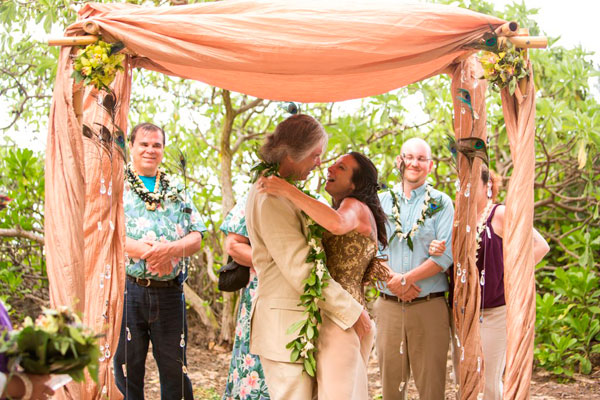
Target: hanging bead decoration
463 278
107 351
184 369
128 334
402 347
482 279
457 185
107 274
468 191
99 225
403 280
462 354
109 192
479 364
468 228
101 353
102 187
182 341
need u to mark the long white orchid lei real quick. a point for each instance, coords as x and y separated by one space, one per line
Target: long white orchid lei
303 347
429 208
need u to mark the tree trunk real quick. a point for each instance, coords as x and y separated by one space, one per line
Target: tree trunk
227 202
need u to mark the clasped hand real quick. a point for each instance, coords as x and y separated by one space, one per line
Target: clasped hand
403 286
158 258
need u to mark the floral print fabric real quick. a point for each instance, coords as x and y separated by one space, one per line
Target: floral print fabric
246 379
169 222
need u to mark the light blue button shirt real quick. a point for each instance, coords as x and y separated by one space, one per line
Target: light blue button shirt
438 227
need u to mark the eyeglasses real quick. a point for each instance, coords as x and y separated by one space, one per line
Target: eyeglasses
410 158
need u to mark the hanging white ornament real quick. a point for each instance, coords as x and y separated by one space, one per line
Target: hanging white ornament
468 191
402 347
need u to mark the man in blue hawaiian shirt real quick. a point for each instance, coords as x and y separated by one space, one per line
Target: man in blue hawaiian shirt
411 313
163 229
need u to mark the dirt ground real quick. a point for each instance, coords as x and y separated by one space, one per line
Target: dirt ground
208 372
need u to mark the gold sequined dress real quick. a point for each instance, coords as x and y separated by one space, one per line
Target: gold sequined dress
342 357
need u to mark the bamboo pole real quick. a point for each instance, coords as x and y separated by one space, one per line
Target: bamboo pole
91 27
508 29
73 41
529 42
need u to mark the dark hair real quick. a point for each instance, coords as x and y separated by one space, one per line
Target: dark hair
148 127
365 183
295 137
486 175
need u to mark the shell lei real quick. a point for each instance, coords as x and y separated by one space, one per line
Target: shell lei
429 208
163 188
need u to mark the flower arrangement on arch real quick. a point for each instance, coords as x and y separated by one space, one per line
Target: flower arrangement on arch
504 68
98 64
56 343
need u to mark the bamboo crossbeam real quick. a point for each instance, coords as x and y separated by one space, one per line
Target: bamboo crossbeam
529 42
73 40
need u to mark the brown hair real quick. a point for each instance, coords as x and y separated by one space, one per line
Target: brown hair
365 190
295 137
148 127
486 175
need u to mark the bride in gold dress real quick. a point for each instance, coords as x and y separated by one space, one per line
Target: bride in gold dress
356 225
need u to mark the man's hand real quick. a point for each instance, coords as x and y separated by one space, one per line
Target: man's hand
403 286
362 326
158 258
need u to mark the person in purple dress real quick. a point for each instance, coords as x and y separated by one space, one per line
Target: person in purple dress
490 262
19 385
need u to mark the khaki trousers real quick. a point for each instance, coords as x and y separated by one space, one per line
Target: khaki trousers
287 381
493 343
342 362
412 337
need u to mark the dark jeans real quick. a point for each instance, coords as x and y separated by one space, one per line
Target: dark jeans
157 315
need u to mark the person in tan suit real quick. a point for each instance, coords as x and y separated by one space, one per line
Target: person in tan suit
277 231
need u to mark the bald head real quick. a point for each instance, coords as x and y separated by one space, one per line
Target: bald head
417 145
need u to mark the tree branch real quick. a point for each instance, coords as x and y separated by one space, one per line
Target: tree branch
17 231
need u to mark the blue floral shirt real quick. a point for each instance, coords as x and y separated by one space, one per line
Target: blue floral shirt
235 221
167 224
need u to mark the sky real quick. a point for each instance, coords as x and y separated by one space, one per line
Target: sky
575 21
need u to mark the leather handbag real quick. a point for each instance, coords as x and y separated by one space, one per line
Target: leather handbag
233 276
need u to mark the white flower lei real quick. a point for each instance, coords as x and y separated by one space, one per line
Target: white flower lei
425 212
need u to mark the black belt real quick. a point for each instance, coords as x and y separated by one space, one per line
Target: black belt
416 300
153 283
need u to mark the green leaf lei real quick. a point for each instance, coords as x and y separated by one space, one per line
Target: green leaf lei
303 347
98 64
429 209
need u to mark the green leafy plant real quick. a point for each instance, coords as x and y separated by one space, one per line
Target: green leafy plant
57 343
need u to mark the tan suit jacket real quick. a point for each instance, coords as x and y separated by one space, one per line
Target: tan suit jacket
277 231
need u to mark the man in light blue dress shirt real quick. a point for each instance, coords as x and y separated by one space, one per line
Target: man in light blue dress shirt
411 314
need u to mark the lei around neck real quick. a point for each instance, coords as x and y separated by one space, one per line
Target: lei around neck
429 208
303 347
164 189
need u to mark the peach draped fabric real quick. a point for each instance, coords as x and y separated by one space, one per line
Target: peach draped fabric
85 227
519 282
308 51
467 294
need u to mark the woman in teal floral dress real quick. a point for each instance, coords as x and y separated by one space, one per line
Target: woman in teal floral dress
246 379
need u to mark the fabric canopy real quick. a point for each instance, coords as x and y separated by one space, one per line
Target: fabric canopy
309 51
